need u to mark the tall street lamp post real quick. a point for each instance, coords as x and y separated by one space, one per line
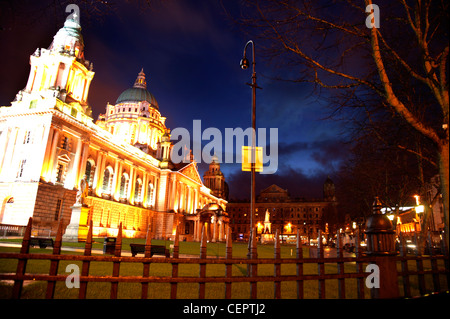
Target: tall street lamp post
244 65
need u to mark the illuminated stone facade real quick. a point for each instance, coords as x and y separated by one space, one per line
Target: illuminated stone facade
49 143
286 214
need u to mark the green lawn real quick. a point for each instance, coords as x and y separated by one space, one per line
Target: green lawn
36 290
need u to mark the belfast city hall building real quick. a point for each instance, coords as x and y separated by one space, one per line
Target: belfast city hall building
50 145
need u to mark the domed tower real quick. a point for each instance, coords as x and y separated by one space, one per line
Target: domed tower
135 118
329 193
214 179
60 72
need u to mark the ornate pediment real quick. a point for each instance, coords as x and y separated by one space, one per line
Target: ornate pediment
273 189
191 171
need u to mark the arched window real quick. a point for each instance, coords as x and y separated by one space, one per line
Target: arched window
150 194
89 172
137 191
108 177
124 185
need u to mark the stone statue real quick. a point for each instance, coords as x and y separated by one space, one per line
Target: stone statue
266 219
82 193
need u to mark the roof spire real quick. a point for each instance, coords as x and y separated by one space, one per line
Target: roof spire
140 80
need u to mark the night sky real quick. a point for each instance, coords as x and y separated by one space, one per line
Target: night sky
190 52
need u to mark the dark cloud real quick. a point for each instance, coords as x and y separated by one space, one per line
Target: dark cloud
294 180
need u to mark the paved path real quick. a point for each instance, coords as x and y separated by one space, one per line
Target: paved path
124 253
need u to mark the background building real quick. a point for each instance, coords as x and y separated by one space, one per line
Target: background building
286 214
49 143
215 180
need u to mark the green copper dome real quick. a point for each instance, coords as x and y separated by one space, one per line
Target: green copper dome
138 93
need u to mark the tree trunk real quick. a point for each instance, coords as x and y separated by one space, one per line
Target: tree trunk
444 178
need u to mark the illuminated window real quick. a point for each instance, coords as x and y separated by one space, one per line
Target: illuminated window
60 173
150 193
27 138
124 186
65 143
21 168
137 191
108 177
89 172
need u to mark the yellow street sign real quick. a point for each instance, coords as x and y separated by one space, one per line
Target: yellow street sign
247 156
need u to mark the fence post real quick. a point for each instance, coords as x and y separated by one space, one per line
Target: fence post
22 263
340 265
434 265
228 267
381 245
321 266
54 263
359 266
202 274
176 251
86 263
253 266
277 266
116 264
146 265
406 282
299 266
419 266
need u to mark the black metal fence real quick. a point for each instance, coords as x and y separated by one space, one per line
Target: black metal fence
402 273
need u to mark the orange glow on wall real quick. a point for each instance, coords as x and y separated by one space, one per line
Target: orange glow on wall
409 227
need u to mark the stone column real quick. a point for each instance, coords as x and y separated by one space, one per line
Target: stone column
115 180
98 165
131 185
51 162
71 181
84 157
101 175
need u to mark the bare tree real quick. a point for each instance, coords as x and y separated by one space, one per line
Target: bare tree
400 55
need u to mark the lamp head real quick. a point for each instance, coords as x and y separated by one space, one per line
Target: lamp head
244 63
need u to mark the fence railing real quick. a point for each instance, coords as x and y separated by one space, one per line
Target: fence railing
439 269
11 230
